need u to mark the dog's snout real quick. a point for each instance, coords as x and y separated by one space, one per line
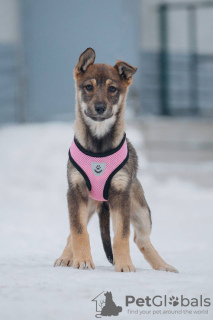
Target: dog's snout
100 108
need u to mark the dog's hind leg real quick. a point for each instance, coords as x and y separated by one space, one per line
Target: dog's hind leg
141 220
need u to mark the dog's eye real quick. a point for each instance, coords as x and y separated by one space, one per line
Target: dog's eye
89 87
112 89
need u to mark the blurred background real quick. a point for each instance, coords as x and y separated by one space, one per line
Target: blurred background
170 42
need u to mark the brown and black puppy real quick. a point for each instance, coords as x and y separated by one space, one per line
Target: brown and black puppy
101 92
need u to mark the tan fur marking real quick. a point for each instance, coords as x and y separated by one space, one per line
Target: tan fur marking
150 254
66 258
110 82
91 81
82 258
121 251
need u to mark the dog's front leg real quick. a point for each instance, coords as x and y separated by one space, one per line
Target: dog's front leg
79 215
66 258
120 213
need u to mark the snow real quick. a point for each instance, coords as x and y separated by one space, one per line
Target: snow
34 227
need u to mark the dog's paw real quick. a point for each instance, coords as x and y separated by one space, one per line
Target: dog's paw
128 267
83 264
167 268
63 263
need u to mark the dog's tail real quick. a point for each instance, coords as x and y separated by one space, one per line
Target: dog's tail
104 220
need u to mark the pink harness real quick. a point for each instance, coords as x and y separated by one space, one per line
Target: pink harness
98 169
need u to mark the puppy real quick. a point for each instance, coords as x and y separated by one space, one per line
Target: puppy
102 171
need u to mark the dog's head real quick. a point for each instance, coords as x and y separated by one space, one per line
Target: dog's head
100 88
108 295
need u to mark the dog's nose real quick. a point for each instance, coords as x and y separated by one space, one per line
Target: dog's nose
100 108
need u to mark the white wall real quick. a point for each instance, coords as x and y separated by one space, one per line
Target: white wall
178 37
9 21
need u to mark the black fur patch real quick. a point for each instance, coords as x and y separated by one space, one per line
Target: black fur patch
104 221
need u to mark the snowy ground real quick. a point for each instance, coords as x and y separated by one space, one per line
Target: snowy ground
34 228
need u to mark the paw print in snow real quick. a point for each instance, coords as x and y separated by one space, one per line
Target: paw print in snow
173 301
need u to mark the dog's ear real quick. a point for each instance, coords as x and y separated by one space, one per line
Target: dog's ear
125 70
85 60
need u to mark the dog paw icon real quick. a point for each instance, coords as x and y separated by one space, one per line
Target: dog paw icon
173 301
98 168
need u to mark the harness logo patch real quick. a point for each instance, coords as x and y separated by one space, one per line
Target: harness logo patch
98 168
